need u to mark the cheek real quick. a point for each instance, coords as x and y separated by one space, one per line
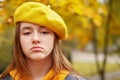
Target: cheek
24 43
50 44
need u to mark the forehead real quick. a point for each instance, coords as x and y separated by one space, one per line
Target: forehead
29 25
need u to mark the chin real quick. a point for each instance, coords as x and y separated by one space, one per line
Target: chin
37 58
40 57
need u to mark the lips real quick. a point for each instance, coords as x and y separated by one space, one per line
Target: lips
36 49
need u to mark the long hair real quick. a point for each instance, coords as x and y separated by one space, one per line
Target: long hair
18 61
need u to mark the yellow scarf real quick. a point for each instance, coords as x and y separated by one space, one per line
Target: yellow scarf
50 75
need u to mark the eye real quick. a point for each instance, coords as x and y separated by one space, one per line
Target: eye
45 32
26 33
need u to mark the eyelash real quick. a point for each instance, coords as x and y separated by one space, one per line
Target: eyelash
42 32
26 33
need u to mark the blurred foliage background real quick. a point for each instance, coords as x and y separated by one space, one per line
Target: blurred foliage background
89 22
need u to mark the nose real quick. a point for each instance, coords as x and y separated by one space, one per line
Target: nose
36 38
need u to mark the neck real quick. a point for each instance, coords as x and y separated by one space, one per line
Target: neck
40 68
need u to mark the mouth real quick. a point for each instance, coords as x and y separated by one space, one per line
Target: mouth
36 49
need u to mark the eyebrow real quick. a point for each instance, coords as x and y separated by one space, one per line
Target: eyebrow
25 28
29 28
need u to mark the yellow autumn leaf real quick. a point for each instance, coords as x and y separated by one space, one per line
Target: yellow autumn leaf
97 20
83 39
85 23
105 10
1 28
52 1
74 7
89 12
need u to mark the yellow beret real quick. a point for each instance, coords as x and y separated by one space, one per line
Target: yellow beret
41 14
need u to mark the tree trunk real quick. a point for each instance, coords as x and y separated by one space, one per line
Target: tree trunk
102 74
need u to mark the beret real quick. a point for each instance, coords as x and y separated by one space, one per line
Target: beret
38 13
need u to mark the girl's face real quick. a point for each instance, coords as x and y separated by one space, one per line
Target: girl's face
36 41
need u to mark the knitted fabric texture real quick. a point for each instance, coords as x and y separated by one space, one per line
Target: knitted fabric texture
40 14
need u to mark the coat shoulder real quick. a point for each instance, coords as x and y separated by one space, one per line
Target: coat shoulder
7 77
73 77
